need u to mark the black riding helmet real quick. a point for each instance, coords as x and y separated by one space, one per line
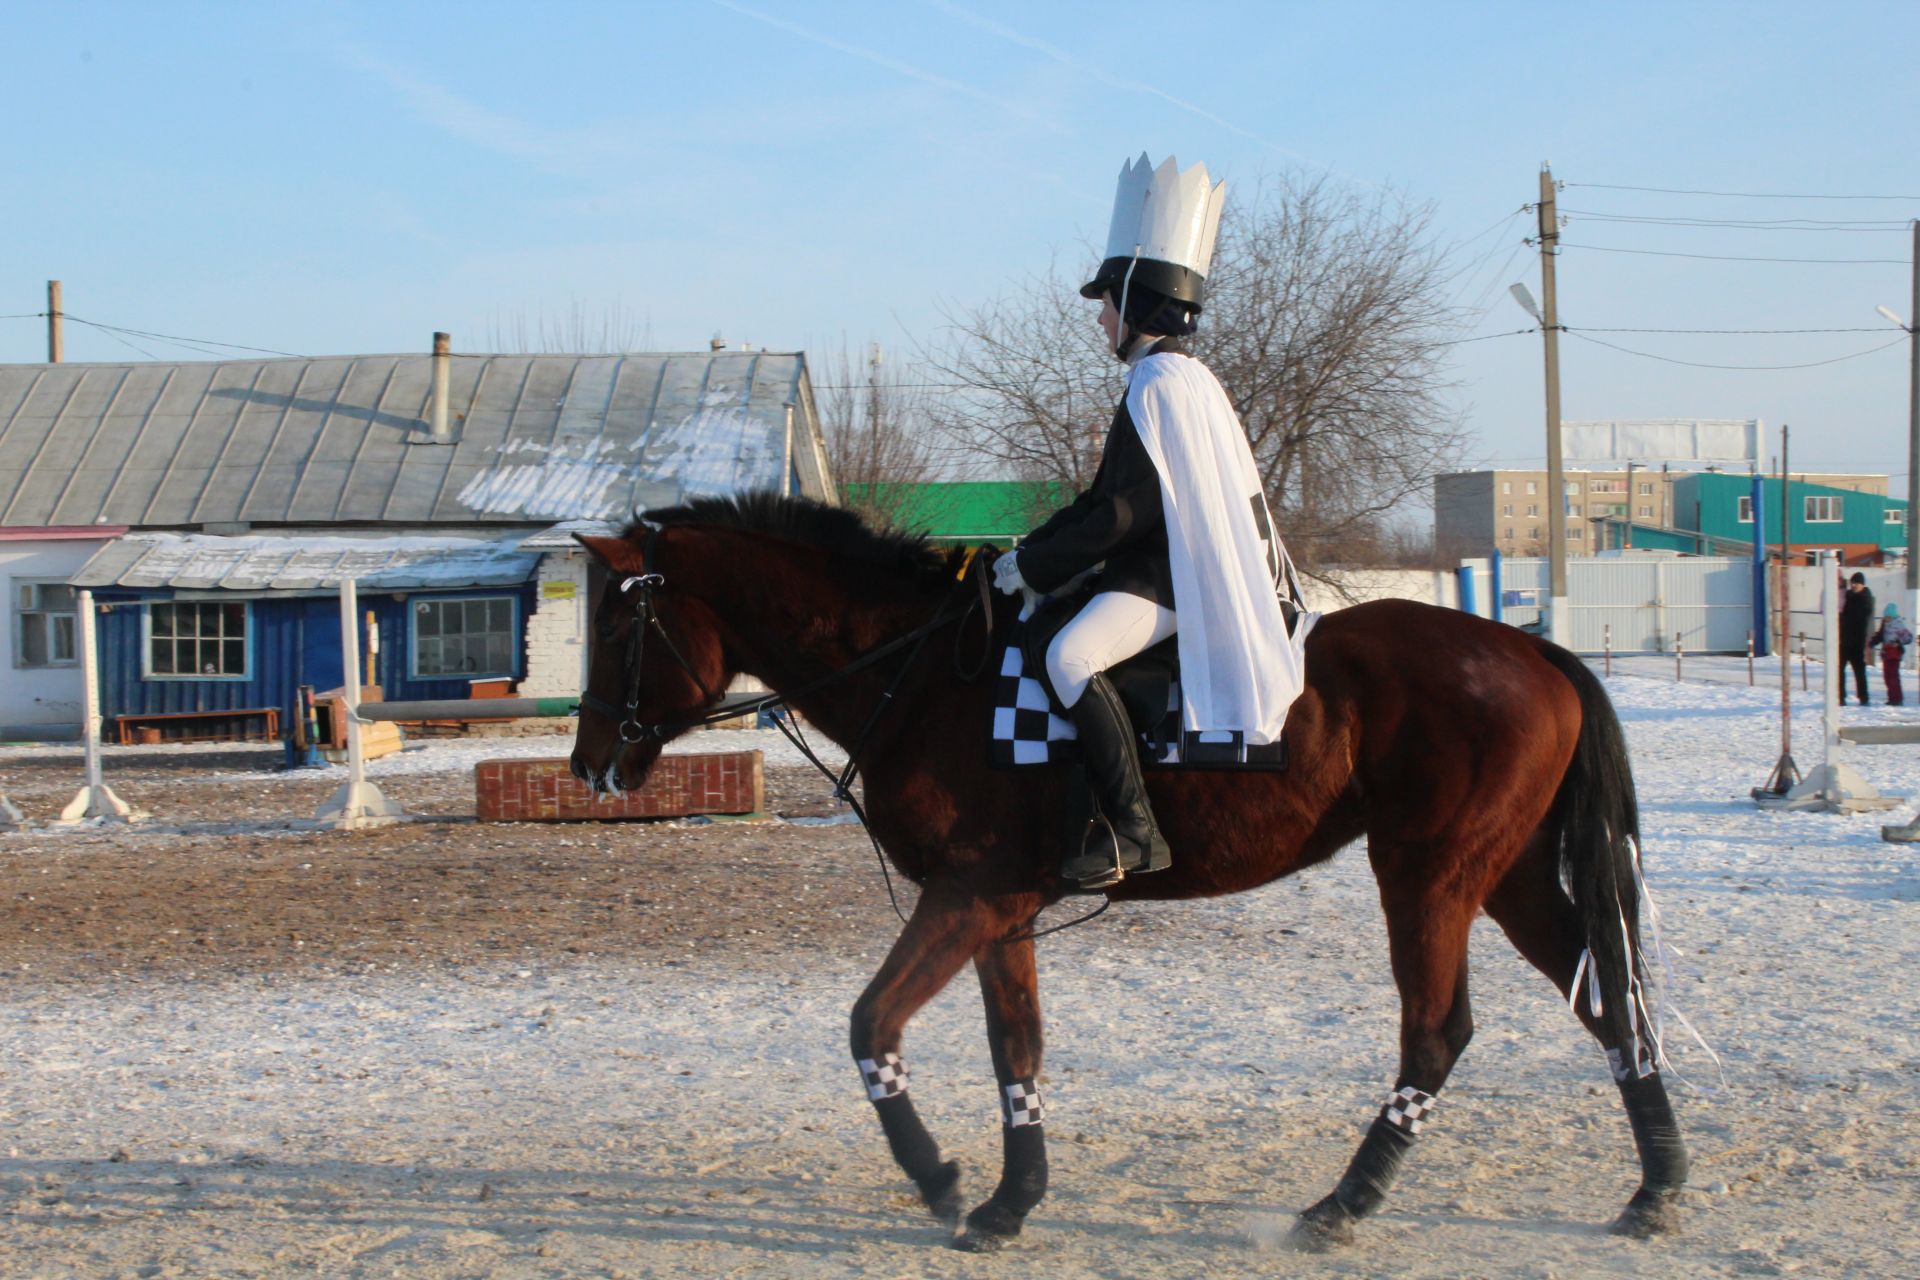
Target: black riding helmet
1147 309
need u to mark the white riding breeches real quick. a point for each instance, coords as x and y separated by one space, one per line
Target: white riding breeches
1113 627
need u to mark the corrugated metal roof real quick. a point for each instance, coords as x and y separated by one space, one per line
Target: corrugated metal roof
344 439
265 562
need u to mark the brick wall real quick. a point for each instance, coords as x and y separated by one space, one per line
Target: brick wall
679 786
557 631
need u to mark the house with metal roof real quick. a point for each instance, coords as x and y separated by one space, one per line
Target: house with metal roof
233 496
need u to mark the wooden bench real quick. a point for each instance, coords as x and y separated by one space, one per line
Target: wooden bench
238 724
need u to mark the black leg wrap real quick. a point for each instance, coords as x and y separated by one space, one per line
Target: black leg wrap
1375 1165
917 1153
1023 1183
1654 1209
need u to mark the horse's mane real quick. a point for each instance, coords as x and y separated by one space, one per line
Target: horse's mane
836 531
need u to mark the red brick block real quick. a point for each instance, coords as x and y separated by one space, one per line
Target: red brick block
680 786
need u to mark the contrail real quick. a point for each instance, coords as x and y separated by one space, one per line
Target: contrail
1117 82
874 56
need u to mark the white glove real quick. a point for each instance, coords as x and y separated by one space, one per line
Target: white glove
1006 574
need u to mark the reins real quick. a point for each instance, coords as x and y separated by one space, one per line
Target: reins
647 621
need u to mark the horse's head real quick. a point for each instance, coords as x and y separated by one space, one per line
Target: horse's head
654 663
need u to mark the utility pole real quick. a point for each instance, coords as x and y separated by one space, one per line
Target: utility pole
1630 501
1913 447
1558 629
56 342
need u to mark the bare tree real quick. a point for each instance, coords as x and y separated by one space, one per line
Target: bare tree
874 415
1325 322
575 331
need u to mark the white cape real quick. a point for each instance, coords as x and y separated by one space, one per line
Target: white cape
1239 672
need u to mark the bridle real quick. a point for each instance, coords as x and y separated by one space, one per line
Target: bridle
646 622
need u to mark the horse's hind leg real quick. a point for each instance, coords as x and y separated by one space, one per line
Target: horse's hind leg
943 933
1009 986
1543 924
1428 938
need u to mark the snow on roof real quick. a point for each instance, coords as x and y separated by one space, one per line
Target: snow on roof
310 562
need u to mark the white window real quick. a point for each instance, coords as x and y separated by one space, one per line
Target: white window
1895 516
1573 509
1646 510
463 638
1534 532
1509 535
1532 487
1573 488
1743 509
1823 510
46 625
1507 509
196 640
1506 486
1573 535
1646 489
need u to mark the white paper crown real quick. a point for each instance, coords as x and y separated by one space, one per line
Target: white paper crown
1166 215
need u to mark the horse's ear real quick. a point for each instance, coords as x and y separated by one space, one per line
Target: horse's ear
616 553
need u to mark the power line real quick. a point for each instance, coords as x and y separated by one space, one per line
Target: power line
1697 364
1510 333
177 339
1732 195
1725 257
1740 224
1877 328
26 315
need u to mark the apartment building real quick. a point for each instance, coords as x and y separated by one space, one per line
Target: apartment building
1475 512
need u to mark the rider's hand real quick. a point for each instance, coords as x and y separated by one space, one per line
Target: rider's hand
1006 574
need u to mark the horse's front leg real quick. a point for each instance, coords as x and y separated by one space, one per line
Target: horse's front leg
1011 989
947 927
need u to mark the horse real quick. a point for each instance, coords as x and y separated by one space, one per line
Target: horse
1485 768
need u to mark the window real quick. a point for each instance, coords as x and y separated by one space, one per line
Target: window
1646 510
1533 508
1895 516
1646 489
463 638
1532 487
1825 510
1506 486
1573 508
1507 509
1573 535
1743 510
1508 535
46 625
196 641
1573 488
1534 532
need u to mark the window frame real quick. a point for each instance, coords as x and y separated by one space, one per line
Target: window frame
1893 516
1834 505
19 615
1743 508
146 642
514 646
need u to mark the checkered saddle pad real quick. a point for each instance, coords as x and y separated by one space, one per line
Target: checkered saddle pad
1029 728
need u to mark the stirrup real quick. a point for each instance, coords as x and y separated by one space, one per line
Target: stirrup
1089 873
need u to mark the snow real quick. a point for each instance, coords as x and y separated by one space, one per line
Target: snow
1210 1066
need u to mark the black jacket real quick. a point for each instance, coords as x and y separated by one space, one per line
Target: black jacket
1118 520
1856 616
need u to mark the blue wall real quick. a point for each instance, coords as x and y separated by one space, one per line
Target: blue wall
292 642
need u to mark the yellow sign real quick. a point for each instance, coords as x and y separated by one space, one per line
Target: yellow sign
556 591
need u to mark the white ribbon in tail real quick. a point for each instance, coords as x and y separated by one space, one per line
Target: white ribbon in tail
1239 671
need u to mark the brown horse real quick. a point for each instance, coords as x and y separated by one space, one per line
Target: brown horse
1485 768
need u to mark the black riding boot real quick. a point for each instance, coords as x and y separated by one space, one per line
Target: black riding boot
1123 836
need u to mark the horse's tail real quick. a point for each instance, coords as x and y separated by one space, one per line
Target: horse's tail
1595 827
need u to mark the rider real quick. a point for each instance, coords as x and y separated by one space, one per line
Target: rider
1175 522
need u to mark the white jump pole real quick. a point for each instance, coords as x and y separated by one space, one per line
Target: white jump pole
358 803
96 801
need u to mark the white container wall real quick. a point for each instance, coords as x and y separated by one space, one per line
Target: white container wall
1643 602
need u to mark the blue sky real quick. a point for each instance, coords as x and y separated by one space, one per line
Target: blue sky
350 177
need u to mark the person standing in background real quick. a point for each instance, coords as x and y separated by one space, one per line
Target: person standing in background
1892 637
1856 615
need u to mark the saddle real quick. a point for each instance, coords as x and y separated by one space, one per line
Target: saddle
1030 725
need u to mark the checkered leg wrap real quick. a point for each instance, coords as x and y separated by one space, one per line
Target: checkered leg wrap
1409 1108
1020 1104
886 1078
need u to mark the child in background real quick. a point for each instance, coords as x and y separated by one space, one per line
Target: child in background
1892 638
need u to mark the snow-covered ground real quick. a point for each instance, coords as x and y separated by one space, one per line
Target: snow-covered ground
1210 1067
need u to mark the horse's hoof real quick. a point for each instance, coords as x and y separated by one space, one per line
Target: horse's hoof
1649 1214
1322 1229
989 1227
941 1192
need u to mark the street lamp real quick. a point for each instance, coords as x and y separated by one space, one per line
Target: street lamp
1559 615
